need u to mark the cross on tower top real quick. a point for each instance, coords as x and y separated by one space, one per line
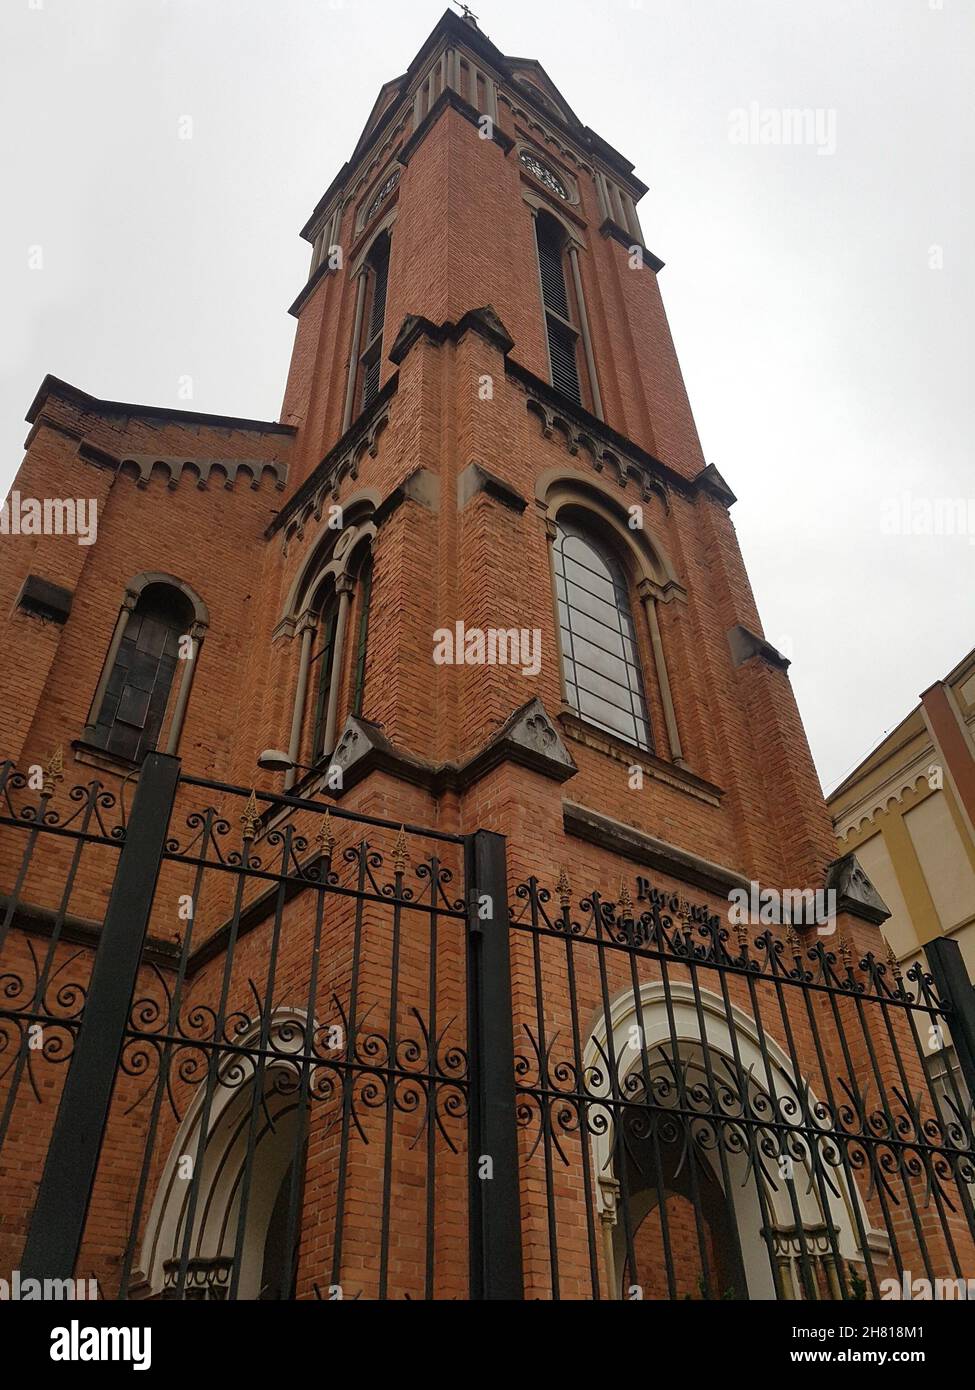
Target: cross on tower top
467 12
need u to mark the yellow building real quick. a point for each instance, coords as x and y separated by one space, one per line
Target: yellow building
908 814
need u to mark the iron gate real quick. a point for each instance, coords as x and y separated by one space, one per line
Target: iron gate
251 1047
714 1113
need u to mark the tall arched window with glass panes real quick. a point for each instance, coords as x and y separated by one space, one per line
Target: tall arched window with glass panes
600 655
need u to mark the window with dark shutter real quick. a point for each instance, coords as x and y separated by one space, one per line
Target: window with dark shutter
362 636
322 663
370 382
372 353
132 712
562 334
377 316
565 368
554 294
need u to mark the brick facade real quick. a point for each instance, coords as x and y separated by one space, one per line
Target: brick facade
464 394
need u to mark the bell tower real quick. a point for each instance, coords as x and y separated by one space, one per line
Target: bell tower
560 636
480 572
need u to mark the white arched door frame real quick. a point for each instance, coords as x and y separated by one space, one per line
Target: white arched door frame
654 1025
224 1158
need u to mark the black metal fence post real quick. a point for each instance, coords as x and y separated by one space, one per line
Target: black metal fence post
495 1209
58 1220
956 992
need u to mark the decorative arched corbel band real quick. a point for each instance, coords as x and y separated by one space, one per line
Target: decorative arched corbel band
343 463
656 578
578 439
142 467
201 616
340 570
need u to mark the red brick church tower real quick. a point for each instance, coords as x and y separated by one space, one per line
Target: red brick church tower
479 578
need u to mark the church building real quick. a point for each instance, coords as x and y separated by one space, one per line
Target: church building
414 877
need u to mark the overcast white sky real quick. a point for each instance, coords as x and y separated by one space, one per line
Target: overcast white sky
829 365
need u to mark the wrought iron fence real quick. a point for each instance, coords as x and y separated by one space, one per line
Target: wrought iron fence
717 1114
255 1048
289 1093
58 854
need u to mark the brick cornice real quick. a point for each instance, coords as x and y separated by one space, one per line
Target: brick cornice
711 481
745 645
341 459
483 321
322 273
623 451
451 100
44 421
54 387
647 850
617 233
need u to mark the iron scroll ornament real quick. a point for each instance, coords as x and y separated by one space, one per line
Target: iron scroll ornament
544 175
383 193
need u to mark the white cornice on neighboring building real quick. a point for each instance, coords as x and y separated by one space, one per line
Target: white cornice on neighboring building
877 799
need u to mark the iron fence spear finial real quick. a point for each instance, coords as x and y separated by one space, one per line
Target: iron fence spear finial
54 771
893 962
251 819
326 840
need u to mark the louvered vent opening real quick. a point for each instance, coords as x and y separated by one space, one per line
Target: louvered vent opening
565 367
554 293
370 383
373 353
381 281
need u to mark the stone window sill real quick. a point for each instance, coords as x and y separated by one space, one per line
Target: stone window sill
631 755
101 758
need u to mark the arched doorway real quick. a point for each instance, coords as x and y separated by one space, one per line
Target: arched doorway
252 1156
694 1203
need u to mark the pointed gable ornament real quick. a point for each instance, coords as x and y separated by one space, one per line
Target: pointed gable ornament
854 891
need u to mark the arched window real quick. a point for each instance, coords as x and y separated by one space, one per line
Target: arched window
600 656
322 669
371 344
157 634
560 325
363 601
331 614
324 673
